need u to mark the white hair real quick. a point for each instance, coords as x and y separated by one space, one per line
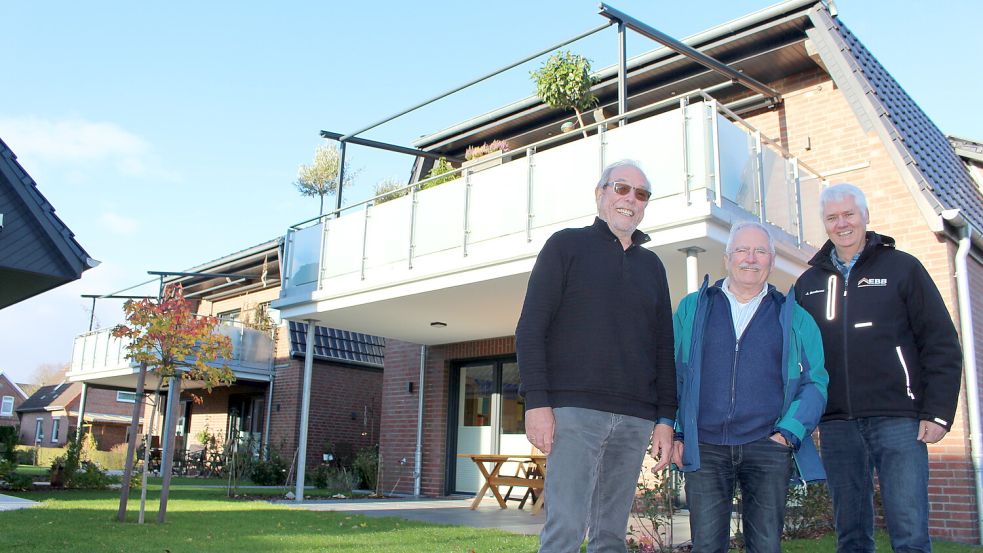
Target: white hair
606 173
839 192
749 224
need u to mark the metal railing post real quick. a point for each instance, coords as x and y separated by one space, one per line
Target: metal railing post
759 175
412 226
320 253
622 75
365 238
530 166
683 103
796 184
467 210
602 146
713 152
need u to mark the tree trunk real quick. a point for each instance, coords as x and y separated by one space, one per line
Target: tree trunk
149 435
131 444
173 404
580 117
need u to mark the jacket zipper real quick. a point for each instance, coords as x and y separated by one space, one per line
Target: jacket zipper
907 377
846 347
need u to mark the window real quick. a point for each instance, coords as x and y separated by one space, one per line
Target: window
126 397
229 317
38 431
55 424
7 408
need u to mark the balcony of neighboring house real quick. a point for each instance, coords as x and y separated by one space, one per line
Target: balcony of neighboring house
99 359
450 262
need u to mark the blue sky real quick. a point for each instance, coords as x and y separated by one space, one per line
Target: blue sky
168 135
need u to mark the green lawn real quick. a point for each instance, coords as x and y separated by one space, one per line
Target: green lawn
202 519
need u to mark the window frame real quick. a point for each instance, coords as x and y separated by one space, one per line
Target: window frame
119 400
7 406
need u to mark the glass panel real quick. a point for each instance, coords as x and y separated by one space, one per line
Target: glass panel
474 429
498 201
563 180
656 143
513 406
779 192
389 232
440 218
737 165
304 247
343 244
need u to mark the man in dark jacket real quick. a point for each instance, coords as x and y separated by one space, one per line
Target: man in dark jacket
894 367
594 344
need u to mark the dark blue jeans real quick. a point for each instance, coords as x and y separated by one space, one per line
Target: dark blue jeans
851 451
762 470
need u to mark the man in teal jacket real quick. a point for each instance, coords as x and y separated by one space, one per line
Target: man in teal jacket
752 387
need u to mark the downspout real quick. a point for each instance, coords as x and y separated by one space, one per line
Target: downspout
418 454
969 355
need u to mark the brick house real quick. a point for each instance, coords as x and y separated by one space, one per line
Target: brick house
11 397
262 405
718 148
50 415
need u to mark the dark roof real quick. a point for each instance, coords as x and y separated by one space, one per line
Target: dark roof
44 397
880 103
331 344
37 250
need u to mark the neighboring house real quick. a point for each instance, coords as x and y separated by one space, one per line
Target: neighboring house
49 417
442 272
263 405
971 154
37 251
11 397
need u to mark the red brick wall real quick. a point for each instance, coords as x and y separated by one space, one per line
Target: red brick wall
7 389
399 415
815 114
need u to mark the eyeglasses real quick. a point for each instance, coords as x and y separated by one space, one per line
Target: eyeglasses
744 251
622 188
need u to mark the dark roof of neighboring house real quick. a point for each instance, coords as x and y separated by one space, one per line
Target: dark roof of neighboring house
46 396
967 148
331 344
37 250
881 104
13 384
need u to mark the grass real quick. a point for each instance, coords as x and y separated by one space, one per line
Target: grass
202 519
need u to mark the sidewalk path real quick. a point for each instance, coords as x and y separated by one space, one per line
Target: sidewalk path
9 503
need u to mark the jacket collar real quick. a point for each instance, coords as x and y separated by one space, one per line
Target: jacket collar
637 238
717 288
874 243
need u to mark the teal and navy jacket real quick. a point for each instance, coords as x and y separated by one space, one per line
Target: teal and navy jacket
805 378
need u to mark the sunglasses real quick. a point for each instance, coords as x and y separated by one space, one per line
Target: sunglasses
622 188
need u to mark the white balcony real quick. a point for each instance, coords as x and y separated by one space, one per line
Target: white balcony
461 252
99 358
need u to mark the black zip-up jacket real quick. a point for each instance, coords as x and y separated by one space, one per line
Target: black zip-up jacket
891 348
596 327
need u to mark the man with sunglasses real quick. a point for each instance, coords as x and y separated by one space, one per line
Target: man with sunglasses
594 345
752 386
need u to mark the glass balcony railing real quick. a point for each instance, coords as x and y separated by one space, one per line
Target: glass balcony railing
97 351
700 150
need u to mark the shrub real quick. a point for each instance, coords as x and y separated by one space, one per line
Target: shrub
25 456
367 465
389 189
808 511
89 477
270 472
440 167
334 479
11 480
474 152
8 443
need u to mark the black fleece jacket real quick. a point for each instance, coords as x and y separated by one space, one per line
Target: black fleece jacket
596 327
891 348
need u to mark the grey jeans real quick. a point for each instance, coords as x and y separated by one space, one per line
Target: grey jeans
591 474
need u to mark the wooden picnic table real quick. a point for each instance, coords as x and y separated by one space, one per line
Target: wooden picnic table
492 479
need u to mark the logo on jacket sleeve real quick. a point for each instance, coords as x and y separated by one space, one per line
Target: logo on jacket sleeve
865 282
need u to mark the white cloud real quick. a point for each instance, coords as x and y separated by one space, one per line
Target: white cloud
72 141
118 224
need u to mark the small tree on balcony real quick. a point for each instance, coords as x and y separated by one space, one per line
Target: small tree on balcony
320 178
564 82
168 339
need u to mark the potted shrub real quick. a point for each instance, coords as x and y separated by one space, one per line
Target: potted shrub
474 154
564 82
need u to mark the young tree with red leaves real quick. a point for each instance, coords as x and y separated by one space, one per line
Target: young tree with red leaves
168 339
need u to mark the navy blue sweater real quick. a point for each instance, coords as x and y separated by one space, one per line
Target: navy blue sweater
596 327
741 389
